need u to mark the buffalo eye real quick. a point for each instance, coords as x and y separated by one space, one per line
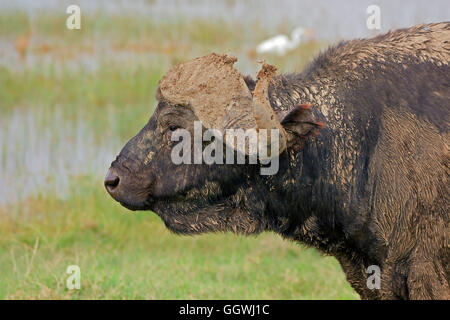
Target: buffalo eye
171 129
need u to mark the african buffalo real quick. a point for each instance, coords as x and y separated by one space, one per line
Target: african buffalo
363 152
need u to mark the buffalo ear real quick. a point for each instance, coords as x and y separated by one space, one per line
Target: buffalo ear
299 123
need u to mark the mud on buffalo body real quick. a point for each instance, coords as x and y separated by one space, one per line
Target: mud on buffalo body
363 159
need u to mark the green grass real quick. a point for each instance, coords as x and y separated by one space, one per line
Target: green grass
124 255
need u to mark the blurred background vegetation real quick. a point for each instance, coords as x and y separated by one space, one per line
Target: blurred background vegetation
69 99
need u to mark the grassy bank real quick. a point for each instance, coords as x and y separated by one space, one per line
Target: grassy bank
125 255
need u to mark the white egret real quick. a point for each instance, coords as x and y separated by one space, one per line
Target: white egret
281 43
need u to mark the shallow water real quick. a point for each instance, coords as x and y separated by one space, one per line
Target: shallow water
40 154
329 19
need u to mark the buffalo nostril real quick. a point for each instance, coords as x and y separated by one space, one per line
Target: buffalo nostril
111 181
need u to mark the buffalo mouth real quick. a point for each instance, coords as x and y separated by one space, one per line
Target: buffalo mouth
182 203
209 208
190 202
136 206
